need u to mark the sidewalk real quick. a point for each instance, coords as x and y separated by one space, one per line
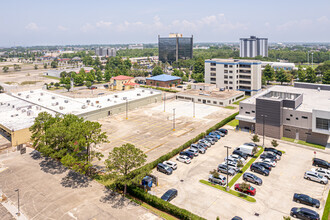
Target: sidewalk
12 209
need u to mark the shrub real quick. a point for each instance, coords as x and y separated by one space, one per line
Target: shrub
255 138
274 143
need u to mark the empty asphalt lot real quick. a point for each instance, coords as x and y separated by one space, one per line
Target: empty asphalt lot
49 191
274 197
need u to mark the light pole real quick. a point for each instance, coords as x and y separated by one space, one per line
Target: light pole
312 60
194 106
263 129
126 108
227 188
18 212
174 119
164 100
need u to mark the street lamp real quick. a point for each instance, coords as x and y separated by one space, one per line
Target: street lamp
18 212
263 129
227 188
174 119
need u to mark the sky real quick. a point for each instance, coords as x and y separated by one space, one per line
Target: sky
73 22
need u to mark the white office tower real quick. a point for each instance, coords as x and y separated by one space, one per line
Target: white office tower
253 46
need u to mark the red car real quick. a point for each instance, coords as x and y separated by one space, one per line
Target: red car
251 191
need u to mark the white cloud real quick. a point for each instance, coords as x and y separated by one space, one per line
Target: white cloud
32 26
62 28
323 19
87 27
103 24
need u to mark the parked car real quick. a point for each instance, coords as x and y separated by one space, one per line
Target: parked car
315 177
212 134
183 159
231 159
241 154
273 150
212 137
269 156
199 148
238 157
209 140
268 161
251 144
232 166
278 157
171 164
246 149
250 177
321 163
187 153
203 141
194 151
251 191
204 145
223 169
322 172
221 180
259 169
169 195
266 166
164 169
219 133
305 199
303 213
93 87
237 218
223 130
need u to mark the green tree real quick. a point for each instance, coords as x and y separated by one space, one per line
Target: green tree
274 143
45 66
107 75
199 66
35 66
326 77
214 173
67 86
90 77
286 218
301 74
79 80
124 159
282 76
268 73
54 64
157 71
263 80
255 138
88 84
99 75
244 186
185 79
310 75
127 64
1 89
57 85
67 138
17 67
5 69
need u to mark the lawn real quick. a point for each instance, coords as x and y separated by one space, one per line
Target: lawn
326 211
230 107
237 102
233 192
29 82
247 165
233 123
51 77
303 143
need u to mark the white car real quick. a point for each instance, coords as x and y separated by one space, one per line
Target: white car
322 172
232 165
208 144
315 177
230 159
235 156
278 157
170 164
268 161
194 151
183 159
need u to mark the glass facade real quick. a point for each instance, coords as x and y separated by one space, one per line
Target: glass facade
323 123
173 48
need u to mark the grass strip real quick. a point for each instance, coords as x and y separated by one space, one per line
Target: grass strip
230 107
160 88
237 102
247 165
326 211
233 123
51 77
233 192
303 143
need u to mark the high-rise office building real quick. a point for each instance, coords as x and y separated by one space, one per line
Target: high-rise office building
175 47
105 52
253 46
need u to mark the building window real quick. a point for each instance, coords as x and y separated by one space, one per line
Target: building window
213 74
297 118
230 66
304 117
226 71
213 64
241 107
214 102
230 87
247 113
287 129
226 77
253 111
213 69
199 100
230 77
213 79
288 119
226 66
290 115
220 103
208 101
323 123
230 82
225 82
230 71
308 133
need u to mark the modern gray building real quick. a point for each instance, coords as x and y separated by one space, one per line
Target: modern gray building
175 47
105 52
301 113
253 46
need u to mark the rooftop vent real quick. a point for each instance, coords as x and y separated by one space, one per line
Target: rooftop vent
13 106
124 98
53 97
318 89
39 99
61 107
142 90
109 100
19 94
151 92
23 110
8 104
31 91
83 107
27 96
92 104
42 94
138 94
88 101
66 101
116 96
97 102
29 113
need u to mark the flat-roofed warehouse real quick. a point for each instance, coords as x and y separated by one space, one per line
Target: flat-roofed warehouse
18 110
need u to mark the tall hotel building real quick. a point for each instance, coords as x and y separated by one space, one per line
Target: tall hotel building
253 46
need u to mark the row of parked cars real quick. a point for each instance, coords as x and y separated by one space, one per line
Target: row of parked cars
186 156
320 174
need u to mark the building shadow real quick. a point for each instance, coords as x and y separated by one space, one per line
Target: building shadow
75 180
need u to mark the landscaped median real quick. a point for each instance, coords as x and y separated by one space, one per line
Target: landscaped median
247 165
160 88
233 192
326 211
303 143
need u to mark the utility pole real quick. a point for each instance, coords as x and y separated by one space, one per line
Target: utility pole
18 212
126 108
227 188
174 119
263 129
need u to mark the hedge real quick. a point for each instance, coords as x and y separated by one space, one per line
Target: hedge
160 88
138 174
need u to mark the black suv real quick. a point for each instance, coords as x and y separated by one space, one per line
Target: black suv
164 169
240 153
305 199
259 169
273 150
321 163
303 213
265 165
269 156
223 130
169 195
187 153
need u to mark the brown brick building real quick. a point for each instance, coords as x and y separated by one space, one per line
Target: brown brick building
163 80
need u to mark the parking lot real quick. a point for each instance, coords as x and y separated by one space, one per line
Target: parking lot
273 197
151 129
